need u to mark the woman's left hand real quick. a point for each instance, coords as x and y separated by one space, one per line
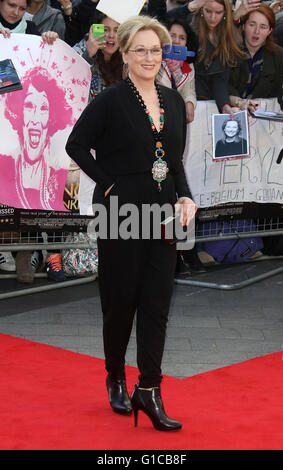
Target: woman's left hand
226 109
276 6
6 33
49 37
190 112
186 208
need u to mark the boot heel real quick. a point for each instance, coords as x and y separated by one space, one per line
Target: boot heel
136 412
150 402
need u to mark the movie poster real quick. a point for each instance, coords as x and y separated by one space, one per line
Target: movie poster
36 174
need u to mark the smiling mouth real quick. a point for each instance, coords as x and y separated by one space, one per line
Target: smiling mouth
34 138
110 43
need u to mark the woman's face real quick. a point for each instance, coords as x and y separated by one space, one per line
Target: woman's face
36 117
213 13
231 129
13 10
144 56
178 35
110 36
256 30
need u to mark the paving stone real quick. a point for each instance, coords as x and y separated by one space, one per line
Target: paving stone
207 328
262 347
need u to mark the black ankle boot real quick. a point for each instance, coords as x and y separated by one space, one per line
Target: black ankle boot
118 395
150 402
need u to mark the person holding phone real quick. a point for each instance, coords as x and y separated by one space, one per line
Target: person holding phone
128 124
102 52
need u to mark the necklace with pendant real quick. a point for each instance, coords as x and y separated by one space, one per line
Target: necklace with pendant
159 168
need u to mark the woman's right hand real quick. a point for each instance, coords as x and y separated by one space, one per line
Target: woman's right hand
276 6
93 44
227 109
6 33
245 7
195 5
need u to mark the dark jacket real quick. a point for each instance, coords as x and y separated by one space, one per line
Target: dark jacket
158 8
32 28
79 22
268 83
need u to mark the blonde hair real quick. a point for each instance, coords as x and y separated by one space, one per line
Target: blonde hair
129 28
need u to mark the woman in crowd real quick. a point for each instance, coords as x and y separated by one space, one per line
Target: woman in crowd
103 54
212 22
130 124
180 74
260 73
12 20
218 52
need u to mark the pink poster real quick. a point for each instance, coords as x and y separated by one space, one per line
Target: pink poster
36 121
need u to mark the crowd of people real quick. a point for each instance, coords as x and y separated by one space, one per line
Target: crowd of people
233 57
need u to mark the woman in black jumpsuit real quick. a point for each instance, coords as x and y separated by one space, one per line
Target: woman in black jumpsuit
136 275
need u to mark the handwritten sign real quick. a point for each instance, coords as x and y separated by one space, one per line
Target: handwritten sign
257 178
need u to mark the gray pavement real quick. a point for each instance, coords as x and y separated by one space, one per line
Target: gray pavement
208 328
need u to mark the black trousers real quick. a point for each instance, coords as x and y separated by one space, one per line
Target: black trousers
136 277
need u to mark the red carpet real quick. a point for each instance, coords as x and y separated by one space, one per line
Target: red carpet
52 399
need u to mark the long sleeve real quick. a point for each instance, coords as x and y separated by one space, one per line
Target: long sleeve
219 88
181 184
188 90
234 82
212 81
115 126
85 136
78 23
157 8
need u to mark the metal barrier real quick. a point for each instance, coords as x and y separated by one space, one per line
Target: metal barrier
264 227
40 241
204 232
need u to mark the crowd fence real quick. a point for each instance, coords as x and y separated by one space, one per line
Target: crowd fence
41 241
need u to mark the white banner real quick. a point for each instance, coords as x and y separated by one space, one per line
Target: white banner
257 178
120 10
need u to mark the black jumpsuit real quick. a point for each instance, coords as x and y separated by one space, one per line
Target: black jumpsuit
135 275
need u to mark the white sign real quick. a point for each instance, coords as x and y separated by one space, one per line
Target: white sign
120 10
257 178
